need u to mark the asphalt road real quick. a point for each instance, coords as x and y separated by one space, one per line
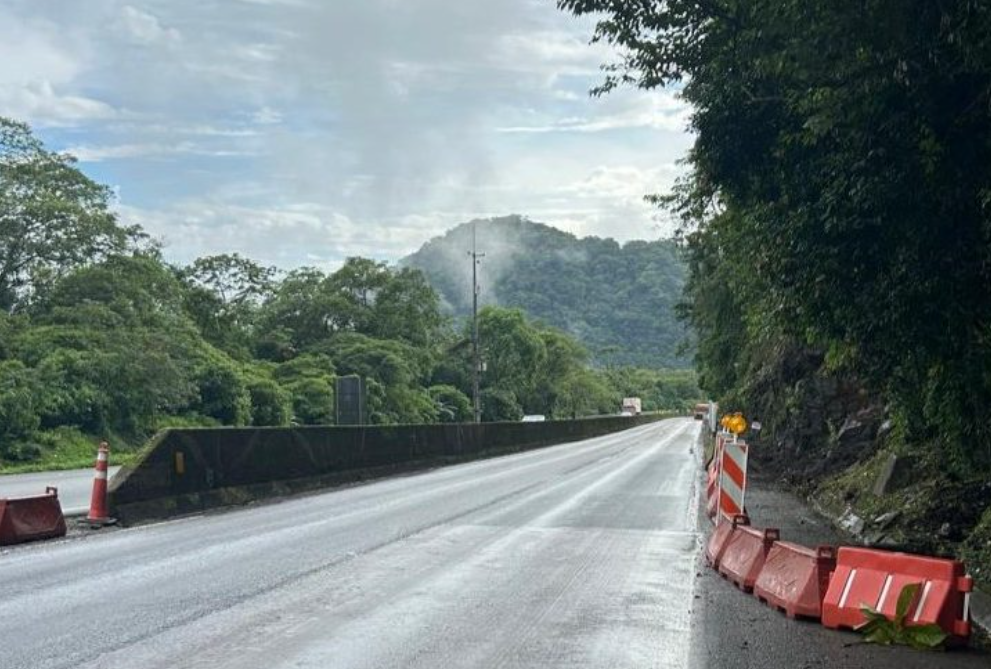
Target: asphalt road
74 488
580 555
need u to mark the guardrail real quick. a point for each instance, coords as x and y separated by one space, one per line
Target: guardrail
187 470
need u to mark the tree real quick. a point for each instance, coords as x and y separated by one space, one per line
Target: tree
584 393
309 379
846 175
223 297
271 405
407 308
304 310
513 351
223 393
236 281
18 410
500 404
52 217
453 406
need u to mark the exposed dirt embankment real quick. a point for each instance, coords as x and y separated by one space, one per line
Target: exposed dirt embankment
826 438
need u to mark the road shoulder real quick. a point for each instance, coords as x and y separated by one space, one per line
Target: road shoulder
732 630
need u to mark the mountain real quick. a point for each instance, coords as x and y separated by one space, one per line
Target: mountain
619 300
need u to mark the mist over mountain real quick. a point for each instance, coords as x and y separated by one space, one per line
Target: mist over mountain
619 300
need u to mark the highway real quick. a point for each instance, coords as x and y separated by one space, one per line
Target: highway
74 486
579 555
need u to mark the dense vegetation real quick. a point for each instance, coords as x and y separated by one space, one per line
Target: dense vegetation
618 300
836 213
101 338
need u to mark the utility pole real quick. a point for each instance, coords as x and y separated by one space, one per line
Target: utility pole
476 362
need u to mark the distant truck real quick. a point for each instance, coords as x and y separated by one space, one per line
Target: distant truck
631 406
701 410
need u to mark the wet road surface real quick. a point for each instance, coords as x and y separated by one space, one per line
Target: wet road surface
579 555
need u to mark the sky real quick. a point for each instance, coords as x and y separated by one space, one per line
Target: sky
302 132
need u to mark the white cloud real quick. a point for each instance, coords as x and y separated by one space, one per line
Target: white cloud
95 154
141 27
659 110
37 66
41 104
266 116
344 127
287 236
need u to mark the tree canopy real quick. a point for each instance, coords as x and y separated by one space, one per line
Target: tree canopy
838 194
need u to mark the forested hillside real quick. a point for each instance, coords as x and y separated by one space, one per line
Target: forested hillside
618 300
102 339
838 225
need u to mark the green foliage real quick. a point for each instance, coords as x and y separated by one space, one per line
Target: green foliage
18 410
312 401
500 404
880 630
271 405
52 217
838 195
658 389
223 296
453 406
223 393
583 393
618 301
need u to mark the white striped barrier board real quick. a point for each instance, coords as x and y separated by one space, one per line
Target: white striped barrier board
732 479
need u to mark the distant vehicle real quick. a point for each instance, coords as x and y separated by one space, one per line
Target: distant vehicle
632 404
701 410
534 418
625 413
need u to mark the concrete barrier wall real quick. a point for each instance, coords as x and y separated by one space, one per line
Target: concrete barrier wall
187 470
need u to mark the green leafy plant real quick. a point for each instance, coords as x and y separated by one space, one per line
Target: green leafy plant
879 629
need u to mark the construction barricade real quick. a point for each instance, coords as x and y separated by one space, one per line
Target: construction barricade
875 578
794 578
719 538
744 553
712 491
732 479
29 518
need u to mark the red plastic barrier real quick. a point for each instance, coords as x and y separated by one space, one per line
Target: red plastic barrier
795 578
712 480
744 554
874 578
719 538
712 491
29 518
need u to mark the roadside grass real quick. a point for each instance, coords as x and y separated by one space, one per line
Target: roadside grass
68 448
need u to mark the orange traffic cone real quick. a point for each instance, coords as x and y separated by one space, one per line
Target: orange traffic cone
98 511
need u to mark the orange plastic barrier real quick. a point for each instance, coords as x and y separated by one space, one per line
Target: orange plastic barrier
874 578
29 518
712 491
795 578
744 554
719 538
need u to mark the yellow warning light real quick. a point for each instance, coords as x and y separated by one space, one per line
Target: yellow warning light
737 424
